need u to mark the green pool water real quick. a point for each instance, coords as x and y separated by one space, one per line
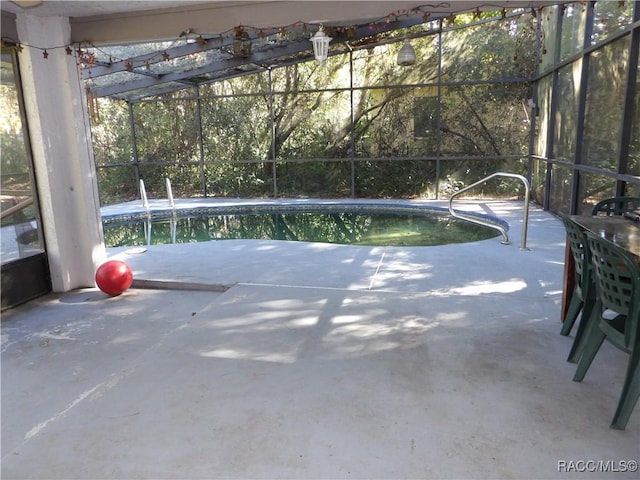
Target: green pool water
342 228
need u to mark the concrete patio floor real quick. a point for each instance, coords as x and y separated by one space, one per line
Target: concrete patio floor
319 361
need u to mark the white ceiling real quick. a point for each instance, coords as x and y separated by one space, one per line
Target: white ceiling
112 7
114 21
90 8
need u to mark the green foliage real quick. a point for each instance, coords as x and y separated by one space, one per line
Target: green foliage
111 134
11 136
609 18
387 179
117 185
15 186
498 50
318 179
235 128
485 120
238 179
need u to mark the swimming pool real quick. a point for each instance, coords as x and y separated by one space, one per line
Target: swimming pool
342 223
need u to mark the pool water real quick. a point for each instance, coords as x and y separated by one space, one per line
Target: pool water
371 229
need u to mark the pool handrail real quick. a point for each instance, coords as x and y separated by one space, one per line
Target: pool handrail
143 196
170 194
145 200
502 230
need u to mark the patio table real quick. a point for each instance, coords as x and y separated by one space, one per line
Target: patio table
620 230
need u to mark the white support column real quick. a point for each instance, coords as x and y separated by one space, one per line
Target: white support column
58 121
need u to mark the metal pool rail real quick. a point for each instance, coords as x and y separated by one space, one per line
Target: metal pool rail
502 230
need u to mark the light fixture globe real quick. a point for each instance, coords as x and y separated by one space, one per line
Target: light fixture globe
406 55
321 45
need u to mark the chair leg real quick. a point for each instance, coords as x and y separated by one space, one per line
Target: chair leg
592 342
572 314
588 316
630 392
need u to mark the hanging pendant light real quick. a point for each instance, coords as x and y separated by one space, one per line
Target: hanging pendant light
321 45
406 55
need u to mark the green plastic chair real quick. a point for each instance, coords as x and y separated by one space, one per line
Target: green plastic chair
617 278
584 293
616 206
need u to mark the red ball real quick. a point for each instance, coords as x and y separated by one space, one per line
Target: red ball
114 277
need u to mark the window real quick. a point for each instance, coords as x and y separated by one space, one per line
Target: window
24 270
21 236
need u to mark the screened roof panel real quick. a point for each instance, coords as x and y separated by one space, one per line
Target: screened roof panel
112 53
133 72
190 62
119 78
134 95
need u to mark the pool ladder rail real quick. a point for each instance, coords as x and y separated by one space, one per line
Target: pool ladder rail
145 205
145 200
501 229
